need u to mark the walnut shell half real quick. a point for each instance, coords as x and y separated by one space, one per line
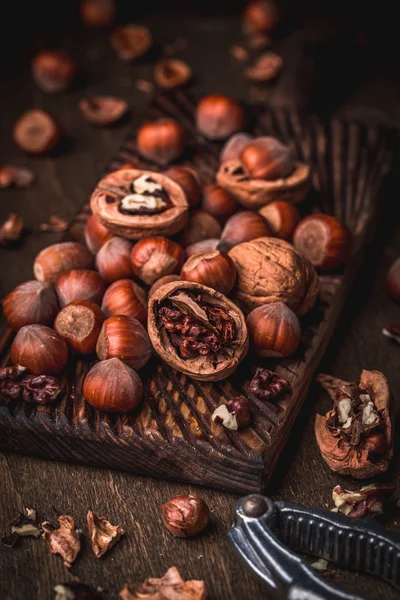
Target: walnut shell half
197 330
370 454
271 270
137 204
256 193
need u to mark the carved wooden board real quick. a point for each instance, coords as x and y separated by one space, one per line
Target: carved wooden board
171 435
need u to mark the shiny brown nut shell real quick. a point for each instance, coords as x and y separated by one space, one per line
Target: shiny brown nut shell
161 141
260 17
97 13
29 303
156 257
213 269
80 284
131 42
282 218
39 349
323 240
162 281
114 187
53 72
96 234
201 226
113 260
36 132
189 181
112 386
256 193
185 516
219 117
242 227
219 202
274 330
79 323
125 297
213 367
124 338
55 259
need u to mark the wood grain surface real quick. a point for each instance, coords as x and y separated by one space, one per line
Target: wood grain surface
63 184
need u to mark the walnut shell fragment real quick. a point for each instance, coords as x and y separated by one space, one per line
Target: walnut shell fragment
197 330
137 204
63 540
256 193
103 535
356 436
271 270
169 587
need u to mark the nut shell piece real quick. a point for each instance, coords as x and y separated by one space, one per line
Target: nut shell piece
204 368
115 186
271 270
256 193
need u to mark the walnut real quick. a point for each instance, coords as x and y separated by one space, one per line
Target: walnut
267 385
234 414
170 587
16 384
197 330
24 526
271 270
103 535
356 436
63 541
367 502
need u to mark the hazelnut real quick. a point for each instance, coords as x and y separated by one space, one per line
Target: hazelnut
29 303
213 269
39 349
171 73
124 338
79 323
80 284
103 110
188 179
112 386
234 146
53 72
219 117
234 414
97 13
201 226
217 201
274 330
203 246
393 280
282 218
113 260
323 240
161 141
267 158
155 257
55 259
36 132
96 234
185 516
260 16
163 281
243 227
131 41
125 297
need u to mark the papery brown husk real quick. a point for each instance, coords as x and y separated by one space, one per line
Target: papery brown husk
199 367
103 535
137 227
169 587
256 193
337 453
63 540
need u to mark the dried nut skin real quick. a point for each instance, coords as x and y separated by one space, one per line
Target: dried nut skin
218 202
125 297
55 259
161 141
268 386
79 323
53 72
282 218
201 226
219 117
204 349
356 437
96 234
36 132
103 110
156 257
80 284
171 73
108 197
124 338
131 41
323 240
103 535
162 281
274 330
271 270
170 587
243 227
112 386
17 384
234 146
32 302
213 269
113 260
63 540
186 515
267 158
393 280
366 502
189 181
256 193
39 349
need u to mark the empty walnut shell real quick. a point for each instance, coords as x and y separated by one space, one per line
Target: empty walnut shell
255 193
215 337
137 204
371 454
271 270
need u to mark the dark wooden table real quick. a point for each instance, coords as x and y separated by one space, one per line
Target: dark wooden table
63 184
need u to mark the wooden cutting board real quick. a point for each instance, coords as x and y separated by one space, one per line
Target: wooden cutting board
171 435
